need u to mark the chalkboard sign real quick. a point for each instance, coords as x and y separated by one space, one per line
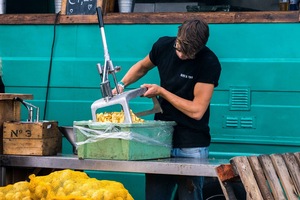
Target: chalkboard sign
80 7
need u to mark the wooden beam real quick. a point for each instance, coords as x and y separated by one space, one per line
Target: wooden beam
272 177
294 169
225 174
260 178
156 18
284 176
242 166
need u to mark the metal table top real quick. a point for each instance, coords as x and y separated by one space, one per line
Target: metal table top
175 166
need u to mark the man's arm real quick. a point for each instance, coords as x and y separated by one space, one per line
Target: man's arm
137 71
195 108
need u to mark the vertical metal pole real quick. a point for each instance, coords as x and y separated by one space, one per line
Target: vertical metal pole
3 176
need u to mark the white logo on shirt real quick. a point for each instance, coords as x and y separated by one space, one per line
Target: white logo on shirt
186 76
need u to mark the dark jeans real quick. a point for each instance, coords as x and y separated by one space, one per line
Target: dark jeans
2 88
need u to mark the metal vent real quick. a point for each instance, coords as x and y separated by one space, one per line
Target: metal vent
231 122
247 122
239 122
239 99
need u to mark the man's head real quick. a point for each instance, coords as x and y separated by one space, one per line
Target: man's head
192 36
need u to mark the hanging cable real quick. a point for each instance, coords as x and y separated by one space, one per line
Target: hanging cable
50 67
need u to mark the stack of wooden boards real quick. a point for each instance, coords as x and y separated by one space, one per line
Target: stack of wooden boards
275 176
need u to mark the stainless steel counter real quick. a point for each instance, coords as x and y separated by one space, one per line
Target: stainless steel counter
175 166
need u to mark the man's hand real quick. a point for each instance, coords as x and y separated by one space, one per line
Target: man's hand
121 89
153 90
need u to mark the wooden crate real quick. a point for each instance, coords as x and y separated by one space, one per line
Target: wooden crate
31 138
10 110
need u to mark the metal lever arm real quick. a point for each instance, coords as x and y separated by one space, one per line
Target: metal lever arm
108 65
100 18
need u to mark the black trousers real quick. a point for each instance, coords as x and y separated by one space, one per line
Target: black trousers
2 88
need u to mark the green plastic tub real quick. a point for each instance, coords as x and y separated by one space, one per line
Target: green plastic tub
120 141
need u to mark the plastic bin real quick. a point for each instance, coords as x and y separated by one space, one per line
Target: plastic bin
120 141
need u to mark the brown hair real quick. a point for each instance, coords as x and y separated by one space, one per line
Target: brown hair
192 36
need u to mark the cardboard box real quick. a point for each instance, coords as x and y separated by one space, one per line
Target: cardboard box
31 138
119 141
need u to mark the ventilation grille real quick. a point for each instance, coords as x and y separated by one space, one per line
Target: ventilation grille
232 122
247 122
239 99
239 122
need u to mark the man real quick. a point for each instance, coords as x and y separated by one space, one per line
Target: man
189 71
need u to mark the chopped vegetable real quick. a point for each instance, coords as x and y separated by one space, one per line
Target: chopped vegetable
117 117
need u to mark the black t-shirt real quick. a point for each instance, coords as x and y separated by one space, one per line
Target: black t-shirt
179 77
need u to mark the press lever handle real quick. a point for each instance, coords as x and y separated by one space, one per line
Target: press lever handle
100 17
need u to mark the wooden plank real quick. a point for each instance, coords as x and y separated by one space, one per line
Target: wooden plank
155 18
39 147
31 130
272 178
297 155
294 169
243 168
260 178
63 7
28 19
9 111
228 190
284 176
107 6
226 173
210 17
11 96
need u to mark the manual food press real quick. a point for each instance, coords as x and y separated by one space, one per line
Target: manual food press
108 99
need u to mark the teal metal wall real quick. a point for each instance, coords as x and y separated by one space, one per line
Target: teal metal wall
254 110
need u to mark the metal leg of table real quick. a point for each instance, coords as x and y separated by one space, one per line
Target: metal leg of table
3 176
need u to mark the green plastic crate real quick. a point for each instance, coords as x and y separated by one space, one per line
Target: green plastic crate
120 141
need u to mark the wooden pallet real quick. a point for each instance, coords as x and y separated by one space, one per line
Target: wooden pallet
271 177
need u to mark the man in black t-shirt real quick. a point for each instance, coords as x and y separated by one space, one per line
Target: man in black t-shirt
189 71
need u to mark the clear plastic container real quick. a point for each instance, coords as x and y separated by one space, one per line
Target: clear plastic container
121 141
